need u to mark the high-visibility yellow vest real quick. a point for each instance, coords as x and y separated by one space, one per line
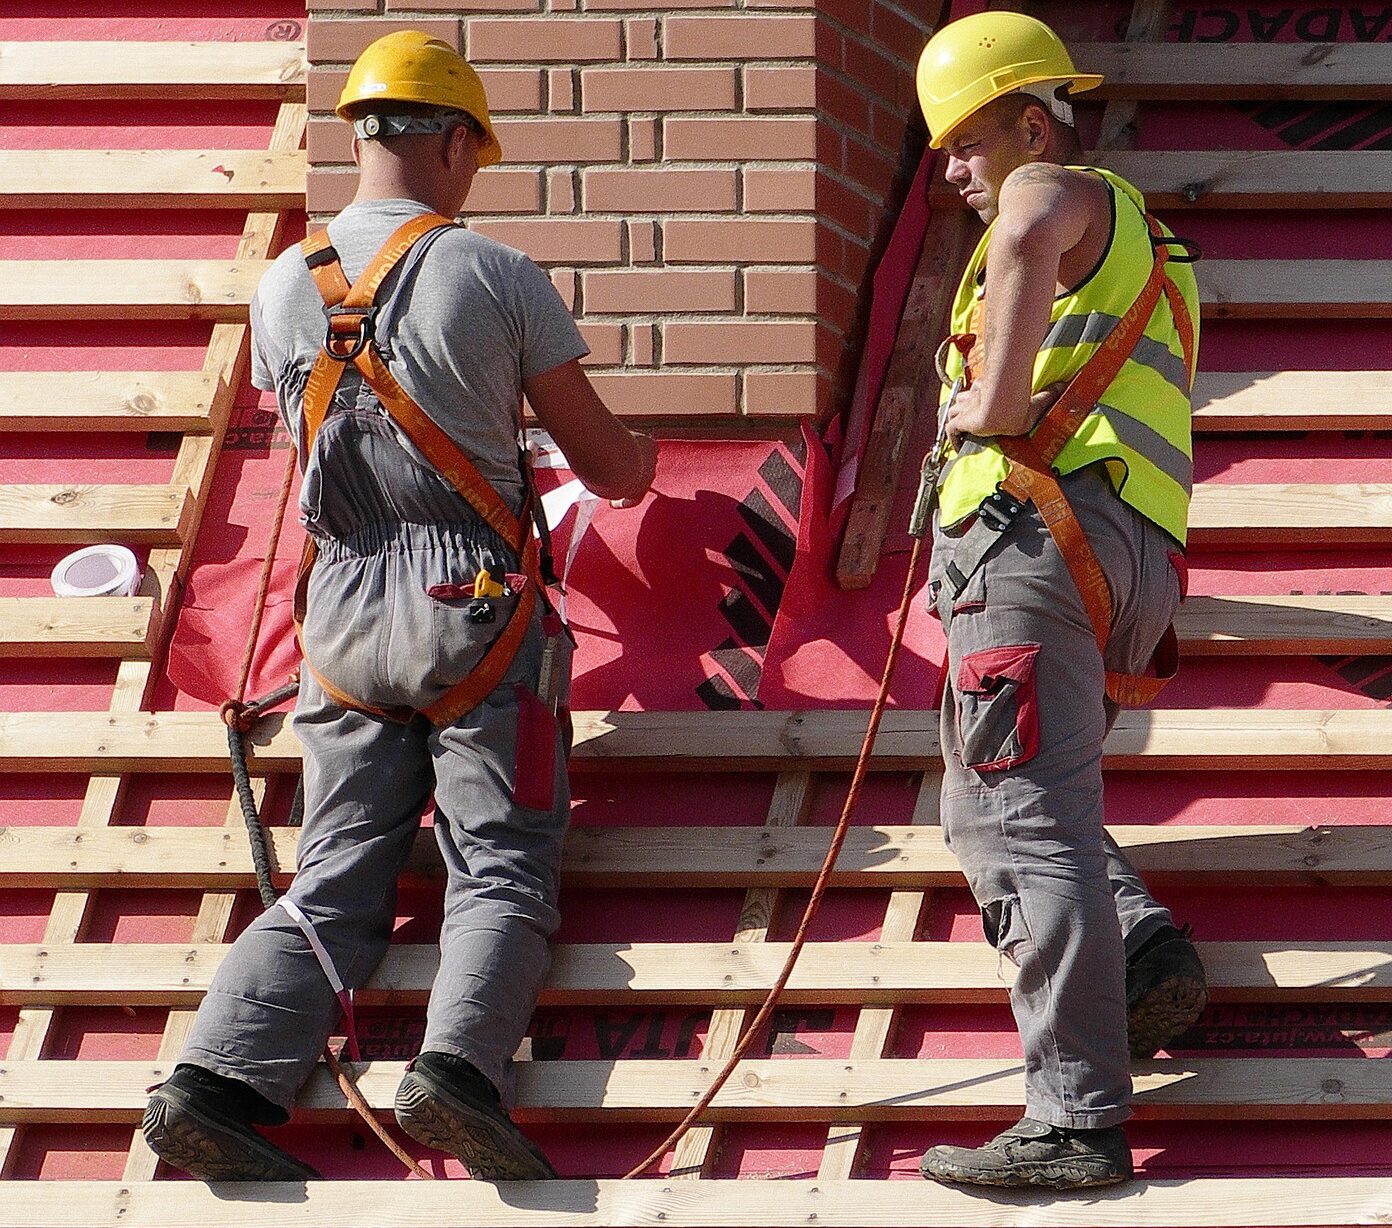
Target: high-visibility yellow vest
1141 424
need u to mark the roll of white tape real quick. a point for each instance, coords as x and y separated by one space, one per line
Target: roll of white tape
97 571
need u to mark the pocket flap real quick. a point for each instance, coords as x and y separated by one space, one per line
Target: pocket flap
981 673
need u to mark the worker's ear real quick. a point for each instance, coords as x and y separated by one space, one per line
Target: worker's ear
357 154
1036 124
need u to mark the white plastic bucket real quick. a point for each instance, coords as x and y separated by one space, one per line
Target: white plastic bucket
97 571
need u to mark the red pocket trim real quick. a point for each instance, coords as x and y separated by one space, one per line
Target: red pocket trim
534 771
979 672
1181 569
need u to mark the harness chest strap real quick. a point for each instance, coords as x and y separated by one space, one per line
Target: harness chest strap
1031 477
350 311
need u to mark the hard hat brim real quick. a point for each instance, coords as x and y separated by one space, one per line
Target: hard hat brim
1078 83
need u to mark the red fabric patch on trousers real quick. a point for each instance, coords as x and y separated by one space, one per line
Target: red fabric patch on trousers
534 773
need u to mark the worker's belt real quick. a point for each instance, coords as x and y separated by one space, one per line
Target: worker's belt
350 313
1031 479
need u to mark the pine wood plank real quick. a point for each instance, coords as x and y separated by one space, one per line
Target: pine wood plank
1208 739
151 70
151 179
1210 72
77 515
1294 289
1240 626
76 626
129 289
1347 513
808 1089
1206 1202
1293 401
1257 179
743 857
879 975
106 400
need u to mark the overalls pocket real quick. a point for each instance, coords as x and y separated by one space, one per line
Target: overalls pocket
463 626
998 714
534 772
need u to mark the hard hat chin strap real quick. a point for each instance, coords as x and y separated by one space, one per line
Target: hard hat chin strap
1047 92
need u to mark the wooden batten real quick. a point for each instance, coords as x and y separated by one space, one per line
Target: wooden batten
152 70
1293 401
75 514
129 289
151 179
107 400
76 626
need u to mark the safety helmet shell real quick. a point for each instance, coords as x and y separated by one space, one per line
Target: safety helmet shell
411 66
977 59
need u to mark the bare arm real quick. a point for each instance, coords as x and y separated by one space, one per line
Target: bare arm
611 460
1045 212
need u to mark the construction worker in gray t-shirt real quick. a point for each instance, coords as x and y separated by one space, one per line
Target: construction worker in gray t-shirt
399 346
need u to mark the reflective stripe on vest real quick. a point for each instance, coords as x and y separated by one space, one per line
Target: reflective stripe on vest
1141 425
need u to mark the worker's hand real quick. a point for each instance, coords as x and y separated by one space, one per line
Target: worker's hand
647 453
971 414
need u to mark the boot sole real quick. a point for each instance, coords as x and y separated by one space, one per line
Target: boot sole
1055 1176
191 1141
1167 1011
488 1145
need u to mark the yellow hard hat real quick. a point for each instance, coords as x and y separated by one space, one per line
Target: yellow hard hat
410 66
980 58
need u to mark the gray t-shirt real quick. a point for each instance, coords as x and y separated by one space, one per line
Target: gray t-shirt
464 321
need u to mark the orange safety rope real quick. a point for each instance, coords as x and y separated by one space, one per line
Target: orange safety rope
838 838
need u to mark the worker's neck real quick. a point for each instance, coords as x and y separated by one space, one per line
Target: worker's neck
396 183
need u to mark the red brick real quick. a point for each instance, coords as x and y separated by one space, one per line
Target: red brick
847 207
854 15
657 89
642 242
565 281
786 394
640 38
739 37
873 70
738 139
887 126
779 190
560 89
632 291
561 139
904 39
665 394
593 6
508 89
782 88
560 191
844 103
329 142
780 291
642 344
740 240
341 39
729 342
624 190
558 240
328 6
497 190
642 139
329 191
464 7
606 344
564 40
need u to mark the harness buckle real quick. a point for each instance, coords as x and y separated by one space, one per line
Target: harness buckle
999 510
348 330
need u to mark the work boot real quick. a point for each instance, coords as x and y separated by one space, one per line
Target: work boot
200 1123
1036 1153
444 1102
1166 990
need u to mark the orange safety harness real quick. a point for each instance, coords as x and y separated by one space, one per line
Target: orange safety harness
351 312
1031 478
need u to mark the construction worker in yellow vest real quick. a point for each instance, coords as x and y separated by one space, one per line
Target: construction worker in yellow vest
399 346
1063 489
